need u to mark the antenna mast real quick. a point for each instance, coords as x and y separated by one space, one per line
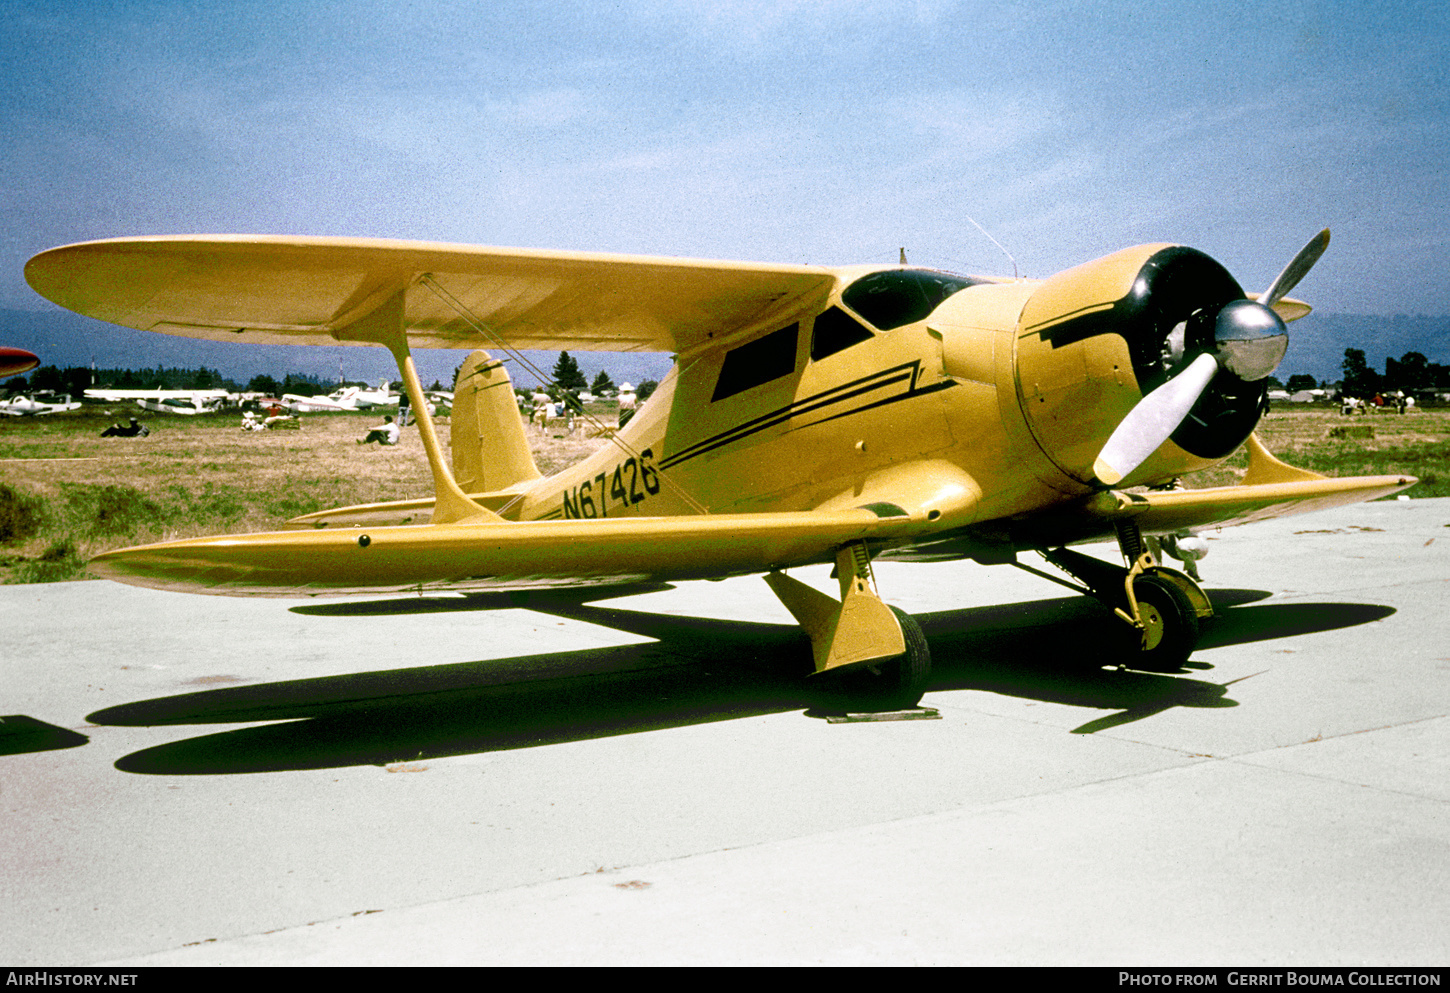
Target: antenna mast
997 243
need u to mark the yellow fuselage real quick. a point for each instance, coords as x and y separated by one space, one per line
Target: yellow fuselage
1004 419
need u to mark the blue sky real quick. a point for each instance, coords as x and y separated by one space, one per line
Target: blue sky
824 132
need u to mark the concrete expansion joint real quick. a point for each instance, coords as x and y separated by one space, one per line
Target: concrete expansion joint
1248 759
1340 781
1349 734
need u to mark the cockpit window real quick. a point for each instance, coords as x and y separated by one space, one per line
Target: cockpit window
834 331
896 297
758 362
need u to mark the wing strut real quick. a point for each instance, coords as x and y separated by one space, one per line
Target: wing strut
385 326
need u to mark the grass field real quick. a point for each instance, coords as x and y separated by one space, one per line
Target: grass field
67 494
1304 435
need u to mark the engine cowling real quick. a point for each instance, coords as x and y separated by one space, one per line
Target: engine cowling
1093 340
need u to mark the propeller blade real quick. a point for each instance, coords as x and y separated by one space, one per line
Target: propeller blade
1296 270
1153 420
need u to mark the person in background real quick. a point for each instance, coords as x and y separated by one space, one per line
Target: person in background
133 430
385 433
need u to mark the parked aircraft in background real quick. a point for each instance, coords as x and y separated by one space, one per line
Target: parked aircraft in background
44 402
122 396
813 415
185 406
187 402
346 398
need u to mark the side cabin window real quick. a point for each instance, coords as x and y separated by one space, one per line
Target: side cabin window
896 297
834 331
757 362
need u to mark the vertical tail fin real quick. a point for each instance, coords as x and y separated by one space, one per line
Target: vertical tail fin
490 451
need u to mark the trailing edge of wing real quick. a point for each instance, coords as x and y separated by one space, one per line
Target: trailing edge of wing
305 291
492 556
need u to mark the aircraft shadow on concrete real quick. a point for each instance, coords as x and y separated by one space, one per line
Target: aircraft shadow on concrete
697 670
20 734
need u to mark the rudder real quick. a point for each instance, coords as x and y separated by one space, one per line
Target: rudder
490 451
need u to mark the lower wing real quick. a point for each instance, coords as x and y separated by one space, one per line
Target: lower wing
382 554
1097 517
497 556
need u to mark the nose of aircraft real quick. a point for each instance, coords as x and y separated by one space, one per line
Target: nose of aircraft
1249 341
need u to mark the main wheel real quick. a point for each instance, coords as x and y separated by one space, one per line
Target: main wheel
892 684
1170 626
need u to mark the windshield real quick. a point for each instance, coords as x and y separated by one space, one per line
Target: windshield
895 297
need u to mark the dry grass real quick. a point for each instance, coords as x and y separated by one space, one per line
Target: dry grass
68 494
1417 444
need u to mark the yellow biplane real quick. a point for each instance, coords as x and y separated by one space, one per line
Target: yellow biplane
812 415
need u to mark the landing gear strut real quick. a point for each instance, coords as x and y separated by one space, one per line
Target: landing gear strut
868 656
1161 608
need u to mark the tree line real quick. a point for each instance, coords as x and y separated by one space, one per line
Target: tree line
566 375
75 380
1411 373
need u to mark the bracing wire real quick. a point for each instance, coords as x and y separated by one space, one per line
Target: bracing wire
473 321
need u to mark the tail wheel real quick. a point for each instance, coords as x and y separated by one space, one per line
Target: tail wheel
1170 626
891 684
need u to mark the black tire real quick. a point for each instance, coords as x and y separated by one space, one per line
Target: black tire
893 684
1170 626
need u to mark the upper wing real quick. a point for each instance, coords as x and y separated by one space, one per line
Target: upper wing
493 556
286 290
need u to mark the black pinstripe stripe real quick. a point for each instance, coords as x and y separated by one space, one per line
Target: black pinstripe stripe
908 372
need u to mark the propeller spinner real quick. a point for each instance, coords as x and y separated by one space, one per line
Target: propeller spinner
1249 341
